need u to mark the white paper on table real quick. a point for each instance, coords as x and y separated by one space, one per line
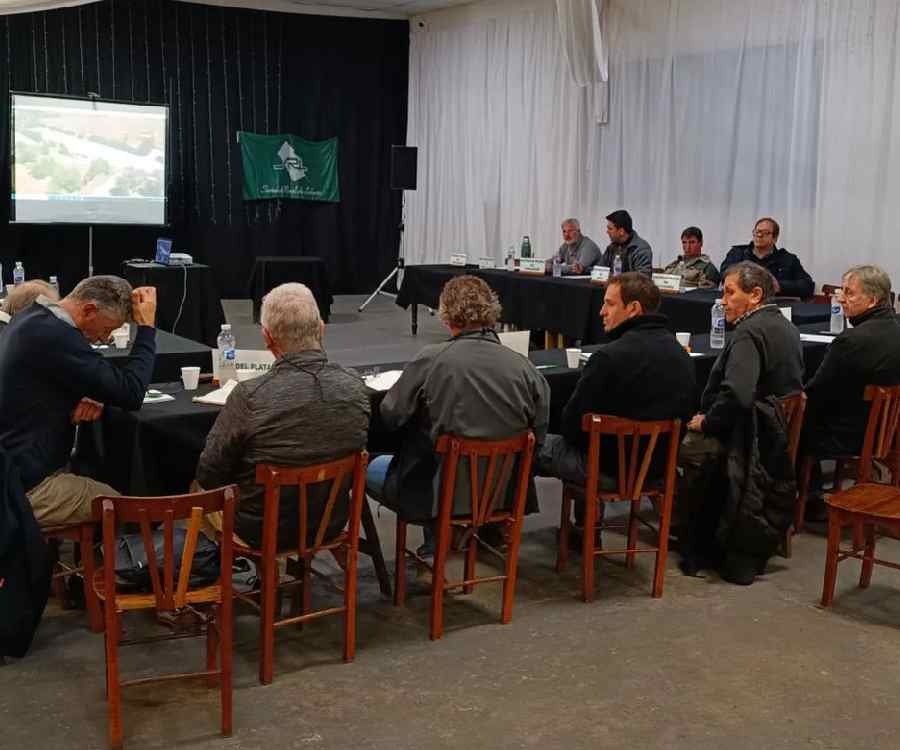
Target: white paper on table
696 354
816 338
217 397
577 276
157 397
383 381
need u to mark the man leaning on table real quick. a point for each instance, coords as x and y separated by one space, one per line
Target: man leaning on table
791 278
738 491
868 353
470 385
643 373
304 410
578 252
625 243
51 379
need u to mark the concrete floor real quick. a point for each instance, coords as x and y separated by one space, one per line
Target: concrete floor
709 665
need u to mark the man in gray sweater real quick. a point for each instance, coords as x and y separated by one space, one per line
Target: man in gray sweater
625 244
305 410
470 385
578 253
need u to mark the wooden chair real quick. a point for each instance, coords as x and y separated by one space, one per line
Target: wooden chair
880 444
489 473
169 594
868 508
82 535
344 545
633 465
794 407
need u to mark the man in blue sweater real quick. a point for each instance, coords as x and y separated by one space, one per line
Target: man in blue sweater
51 379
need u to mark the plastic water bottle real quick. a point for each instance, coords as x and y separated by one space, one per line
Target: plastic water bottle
54 282
526 247
617 265
717 327
511 258
18 273
226 355
557 267
837 315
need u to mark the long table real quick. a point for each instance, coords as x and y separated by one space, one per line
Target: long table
172 353
564 305
154 451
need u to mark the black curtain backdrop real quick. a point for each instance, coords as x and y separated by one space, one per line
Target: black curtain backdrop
222 70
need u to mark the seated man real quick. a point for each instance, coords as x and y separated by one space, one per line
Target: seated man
51 379
23 296
578 253
762 358
791 278
624 242
470 385
694 268
867 353
305 410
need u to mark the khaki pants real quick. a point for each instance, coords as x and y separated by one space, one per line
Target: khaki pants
65 499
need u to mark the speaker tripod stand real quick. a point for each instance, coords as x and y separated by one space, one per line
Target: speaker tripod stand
387 280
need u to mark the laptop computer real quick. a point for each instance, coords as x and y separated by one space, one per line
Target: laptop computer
163 251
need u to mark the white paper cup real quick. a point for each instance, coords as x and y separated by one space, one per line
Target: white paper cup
684 338
786 311
572 357
120 340
190 376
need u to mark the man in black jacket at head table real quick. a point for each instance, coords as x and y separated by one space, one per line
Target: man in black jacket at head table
51 379
792 279
868 353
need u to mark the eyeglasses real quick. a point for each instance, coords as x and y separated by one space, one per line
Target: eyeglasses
761 233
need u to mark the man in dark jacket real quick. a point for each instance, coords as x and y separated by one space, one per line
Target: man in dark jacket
643 373
791 278
624 243
305 410
867 353
51 379
762 358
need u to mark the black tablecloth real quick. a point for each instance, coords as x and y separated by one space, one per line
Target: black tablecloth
201 315
529 302
155 451
269 271
172 353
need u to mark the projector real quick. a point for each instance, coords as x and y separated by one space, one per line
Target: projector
180 259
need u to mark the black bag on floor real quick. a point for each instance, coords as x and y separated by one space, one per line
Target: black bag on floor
132 567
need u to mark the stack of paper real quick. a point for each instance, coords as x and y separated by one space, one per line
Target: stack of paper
816 338
156 397
217 397
383 380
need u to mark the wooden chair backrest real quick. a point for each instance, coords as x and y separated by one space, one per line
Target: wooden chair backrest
881 441
794 407
490 466
634 460
148 512
335 472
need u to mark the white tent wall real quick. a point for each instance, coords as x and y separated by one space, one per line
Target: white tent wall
719 112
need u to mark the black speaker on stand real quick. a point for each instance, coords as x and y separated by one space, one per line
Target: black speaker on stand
404 162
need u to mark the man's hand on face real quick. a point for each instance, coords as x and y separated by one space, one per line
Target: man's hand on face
143 305
87 410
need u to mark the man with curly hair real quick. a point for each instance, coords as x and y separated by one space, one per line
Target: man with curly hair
469 385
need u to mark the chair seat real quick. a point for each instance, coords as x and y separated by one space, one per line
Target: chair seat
874 500
126 602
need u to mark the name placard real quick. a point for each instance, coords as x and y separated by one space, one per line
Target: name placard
667 282
249 363
531 266
458 259
599 274
485 262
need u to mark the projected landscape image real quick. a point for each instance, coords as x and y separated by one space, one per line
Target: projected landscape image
108 156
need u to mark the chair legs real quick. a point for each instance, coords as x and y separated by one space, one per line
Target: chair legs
512 563
587 551
565 526
92 603
113 691
350 606
806 467
865 576
269 583
400 565
442 547
831 556
633 528
471 560
662 552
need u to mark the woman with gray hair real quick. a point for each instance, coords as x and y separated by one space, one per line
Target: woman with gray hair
867 353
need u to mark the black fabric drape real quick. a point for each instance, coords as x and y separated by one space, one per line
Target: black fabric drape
222 70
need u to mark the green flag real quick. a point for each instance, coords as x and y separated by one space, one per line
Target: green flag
286 166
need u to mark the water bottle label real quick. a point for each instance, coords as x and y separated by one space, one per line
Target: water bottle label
228 355
719 325
836 309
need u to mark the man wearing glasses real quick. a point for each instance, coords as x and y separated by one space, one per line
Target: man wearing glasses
792 278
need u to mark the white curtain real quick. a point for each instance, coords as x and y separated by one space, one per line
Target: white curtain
30 6
719 113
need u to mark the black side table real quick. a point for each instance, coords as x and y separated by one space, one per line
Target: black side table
269 271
